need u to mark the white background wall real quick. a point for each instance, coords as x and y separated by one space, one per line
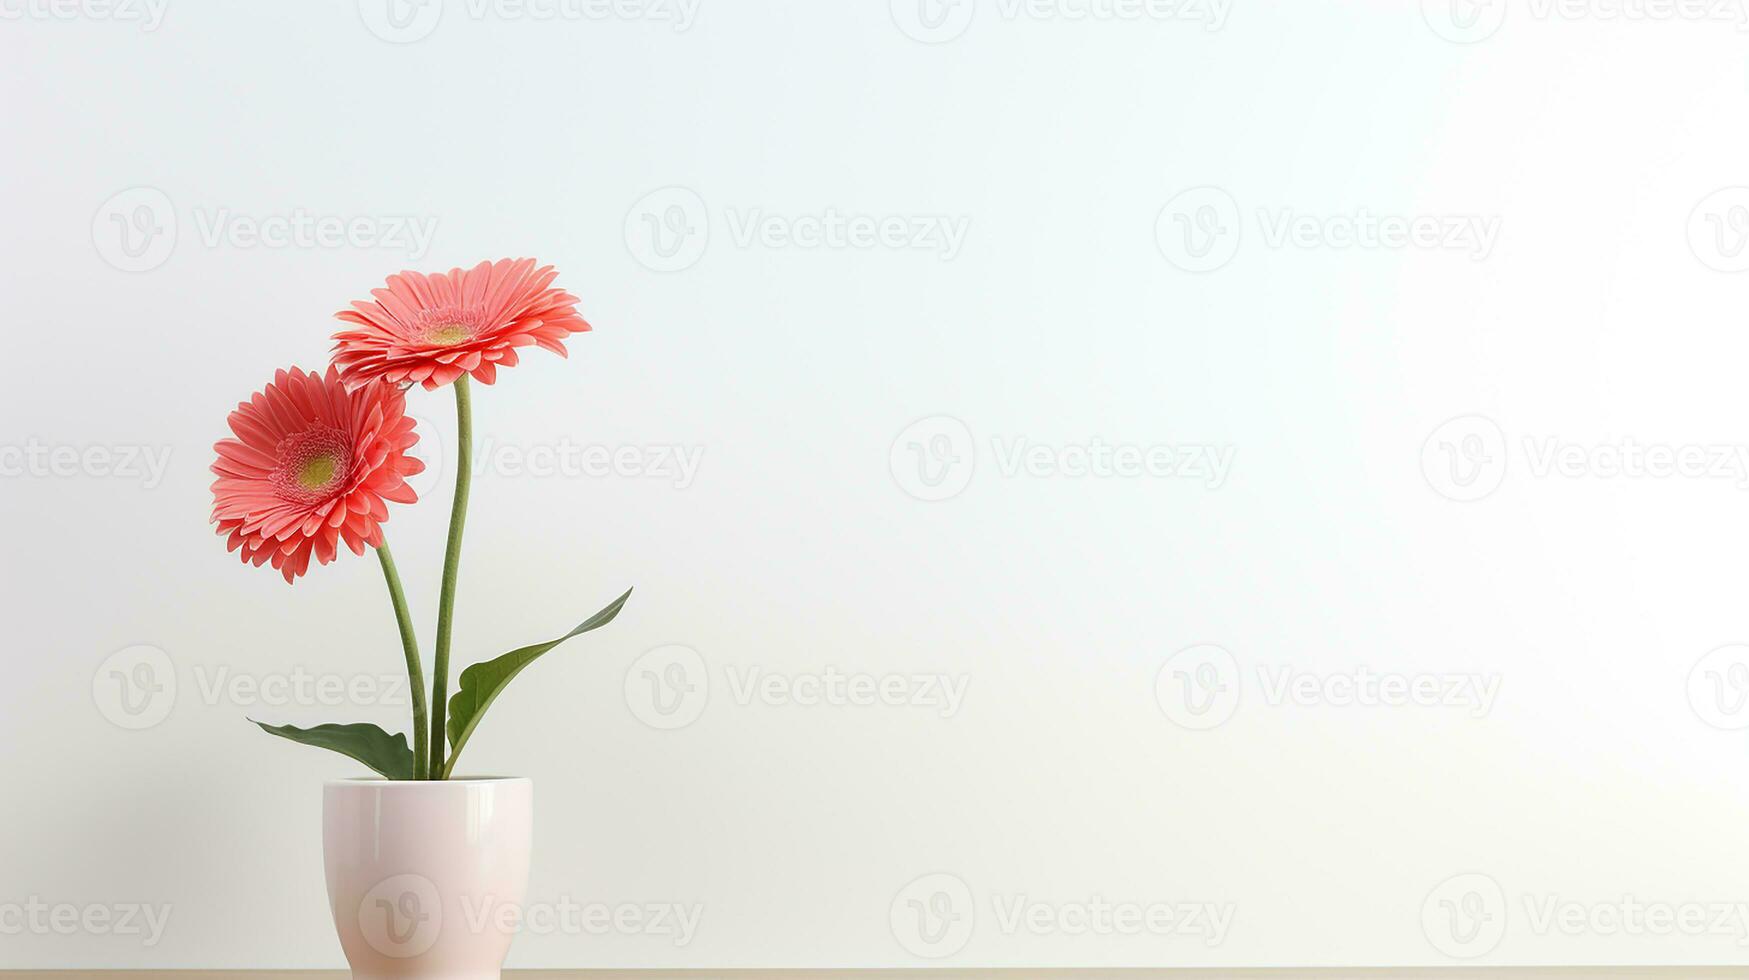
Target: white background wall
1602 315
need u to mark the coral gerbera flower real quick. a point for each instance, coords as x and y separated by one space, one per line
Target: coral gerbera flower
433 329
312 465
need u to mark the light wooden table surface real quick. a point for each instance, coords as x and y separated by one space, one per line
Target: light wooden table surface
1441 973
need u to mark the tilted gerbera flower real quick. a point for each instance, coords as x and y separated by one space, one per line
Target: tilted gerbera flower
433 329
313 464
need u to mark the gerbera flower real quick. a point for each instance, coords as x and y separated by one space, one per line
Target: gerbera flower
433 329
312 465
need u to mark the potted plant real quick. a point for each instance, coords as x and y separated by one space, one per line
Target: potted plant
314 462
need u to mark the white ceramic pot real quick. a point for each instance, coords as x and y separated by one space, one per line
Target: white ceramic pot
427 879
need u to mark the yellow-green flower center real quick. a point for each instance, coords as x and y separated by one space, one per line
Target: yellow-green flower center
318 471
448 334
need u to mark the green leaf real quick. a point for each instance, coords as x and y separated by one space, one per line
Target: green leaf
481 684
387 754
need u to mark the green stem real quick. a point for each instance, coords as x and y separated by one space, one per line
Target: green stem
452 559
409 646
